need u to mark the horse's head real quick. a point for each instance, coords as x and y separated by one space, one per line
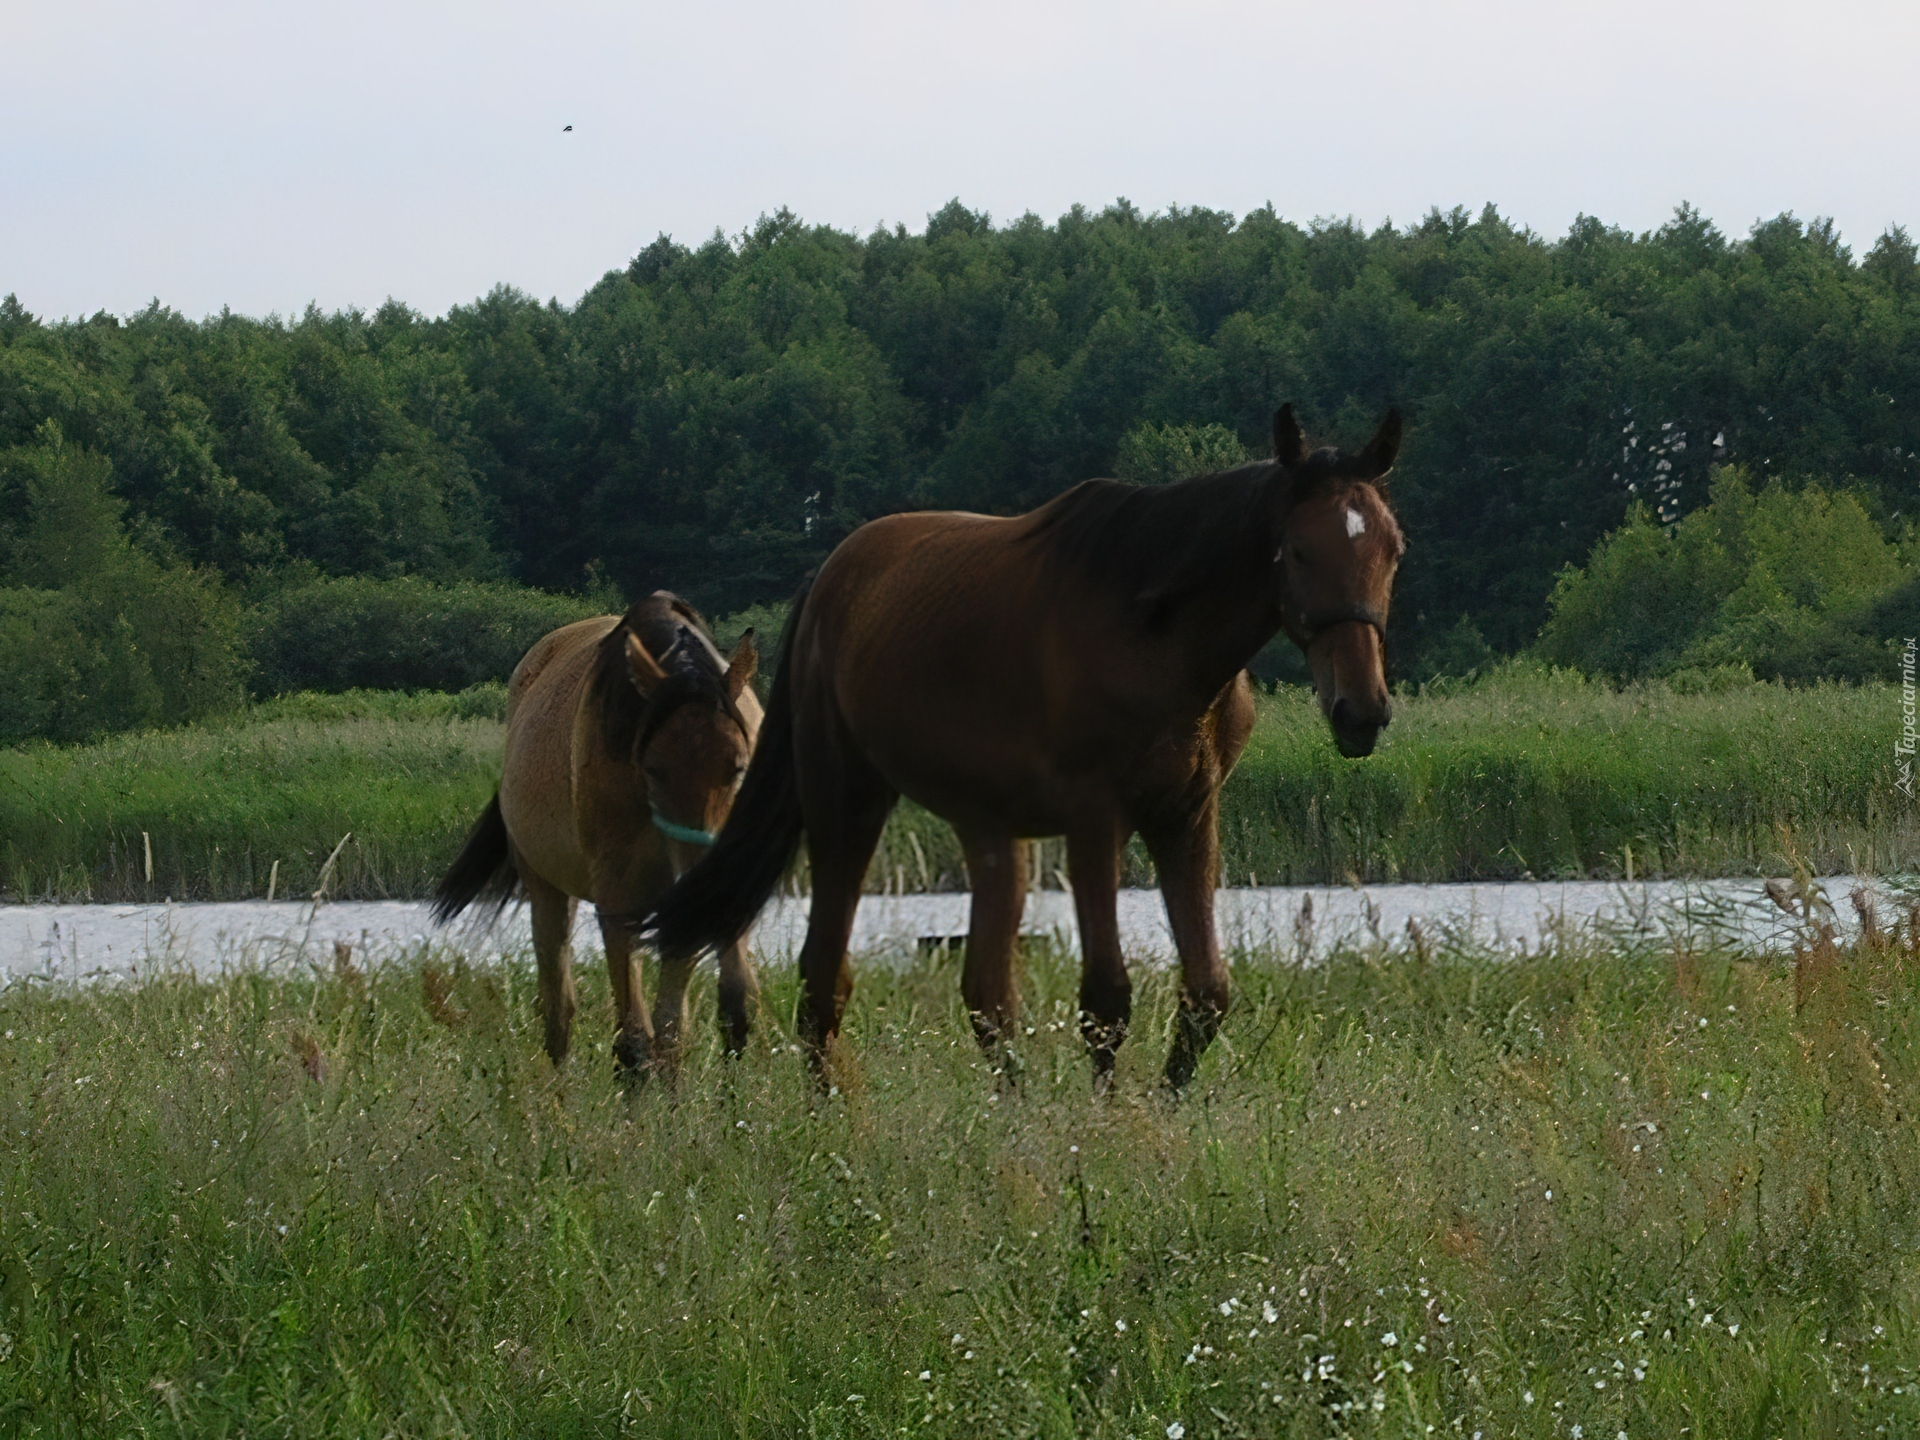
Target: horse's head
1337 549
695 736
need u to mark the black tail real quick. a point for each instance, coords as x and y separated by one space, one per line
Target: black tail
712 905
483 870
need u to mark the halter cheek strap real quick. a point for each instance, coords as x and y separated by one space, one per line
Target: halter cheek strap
685 834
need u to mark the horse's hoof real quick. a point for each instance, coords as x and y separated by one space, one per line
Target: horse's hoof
1178 1074
633 1060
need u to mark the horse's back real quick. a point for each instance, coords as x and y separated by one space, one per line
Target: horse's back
568 640
986 679
941 642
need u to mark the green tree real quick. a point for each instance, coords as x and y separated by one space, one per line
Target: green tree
100 633
1156 454
1796 585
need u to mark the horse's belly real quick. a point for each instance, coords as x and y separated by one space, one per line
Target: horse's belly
544 834
536 794
987 788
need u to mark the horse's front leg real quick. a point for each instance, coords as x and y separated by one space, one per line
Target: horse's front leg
633 1037
1106 992
670 1016
739 996
1187 855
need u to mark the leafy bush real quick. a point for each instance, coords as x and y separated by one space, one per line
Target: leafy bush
1793 585
1160 454
98 633
402 634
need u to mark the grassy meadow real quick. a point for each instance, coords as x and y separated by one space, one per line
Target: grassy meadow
1525 773
1639 1191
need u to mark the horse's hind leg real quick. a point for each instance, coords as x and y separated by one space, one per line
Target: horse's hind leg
997 869
842 829
552 917
739 996
1106 991
632 1027
1187 854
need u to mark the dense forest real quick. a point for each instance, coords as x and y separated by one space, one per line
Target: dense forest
177 497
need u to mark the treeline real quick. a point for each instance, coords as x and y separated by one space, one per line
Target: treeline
714 418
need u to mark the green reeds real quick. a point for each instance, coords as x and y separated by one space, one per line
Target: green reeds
1523 773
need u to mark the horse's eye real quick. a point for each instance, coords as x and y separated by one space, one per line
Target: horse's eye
1299 555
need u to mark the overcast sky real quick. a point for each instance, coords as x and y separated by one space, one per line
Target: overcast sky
261 156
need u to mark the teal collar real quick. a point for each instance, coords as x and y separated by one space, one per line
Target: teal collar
685 834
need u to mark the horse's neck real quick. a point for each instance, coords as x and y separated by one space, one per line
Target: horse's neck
1220 628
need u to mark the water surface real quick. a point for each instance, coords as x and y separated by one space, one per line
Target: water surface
78 942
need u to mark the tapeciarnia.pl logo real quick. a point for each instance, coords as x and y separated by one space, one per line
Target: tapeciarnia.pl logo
1903 748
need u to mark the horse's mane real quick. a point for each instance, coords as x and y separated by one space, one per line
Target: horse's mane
677 636
1160 542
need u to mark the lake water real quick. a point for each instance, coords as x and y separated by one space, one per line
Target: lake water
82 942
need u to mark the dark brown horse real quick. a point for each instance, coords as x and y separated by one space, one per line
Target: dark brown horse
1077 671
626 737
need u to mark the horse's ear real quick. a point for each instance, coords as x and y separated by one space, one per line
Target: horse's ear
1289 444
1382 450
642 668
742 665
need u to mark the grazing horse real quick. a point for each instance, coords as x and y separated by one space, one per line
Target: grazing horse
627 736
1077 671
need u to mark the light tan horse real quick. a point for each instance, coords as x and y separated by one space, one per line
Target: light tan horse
1077 671
626 738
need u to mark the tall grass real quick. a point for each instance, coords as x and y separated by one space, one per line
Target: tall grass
1538 773
218 804
1527 773
1544 773
1631 1191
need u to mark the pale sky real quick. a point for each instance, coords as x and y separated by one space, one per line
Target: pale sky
261 156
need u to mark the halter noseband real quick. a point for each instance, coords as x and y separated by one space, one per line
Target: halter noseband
1305 629
685 834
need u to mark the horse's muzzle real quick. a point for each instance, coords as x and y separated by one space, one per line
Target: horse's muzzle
1355 734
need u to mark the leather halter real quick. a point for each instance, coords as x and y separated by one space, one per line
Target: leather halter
1305 629
656 715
